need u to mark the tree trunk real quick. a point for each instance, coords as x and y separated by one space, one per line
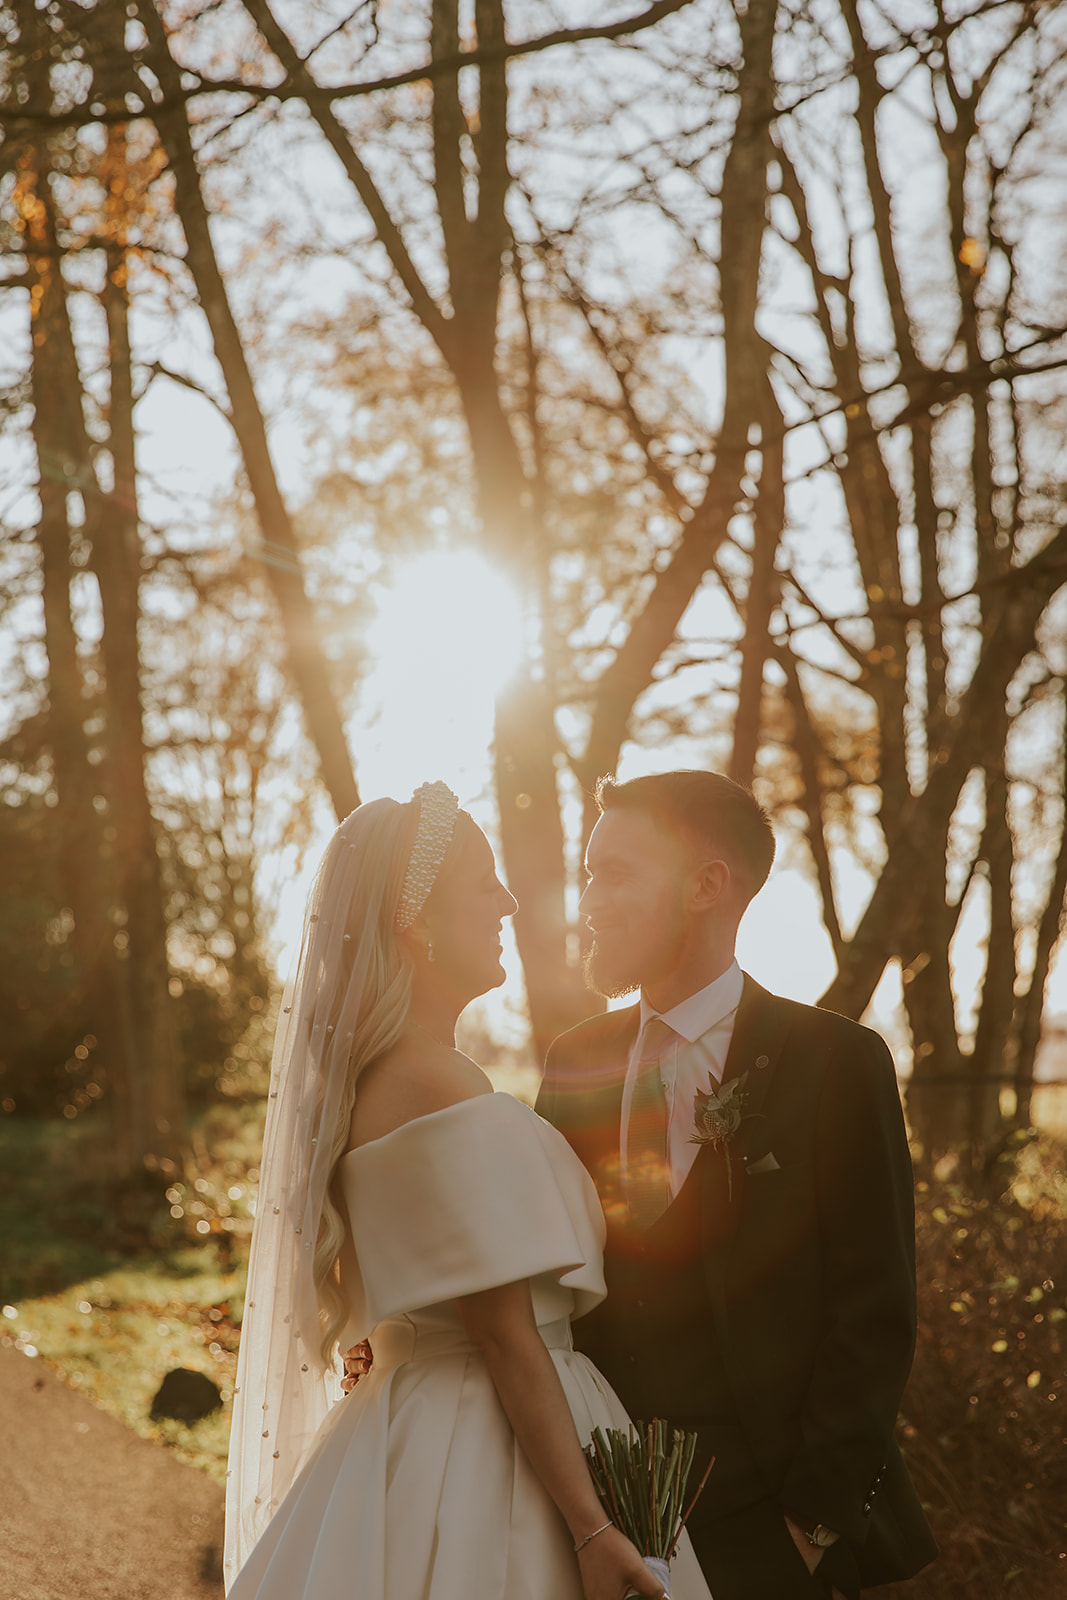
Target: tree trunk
157 1104
923 826
112 866
1026 1030
989 1060
280 553
743 214
526 745
58 426
768 519
937 1092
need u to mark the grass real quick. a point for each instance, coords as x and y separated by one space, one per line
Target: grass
113 1337
115 1288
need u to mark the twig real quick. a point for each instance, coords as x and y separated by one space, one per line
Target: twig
692 1503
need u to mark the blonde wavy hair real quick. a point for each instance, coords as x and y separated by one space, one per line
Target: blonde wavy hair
345 1006
380 1020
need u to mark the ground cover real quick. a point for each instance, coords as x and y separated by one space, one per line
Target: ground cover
984 1418
114 1289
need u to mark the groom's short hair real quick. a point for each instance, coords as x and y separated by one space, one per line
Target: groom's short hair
712 809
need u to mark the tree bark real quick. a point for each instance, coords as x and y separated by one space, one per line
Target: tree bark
1026 1031
526 746
768 519
743 219
924 823
58 426
988 1061
531 833
280 553
157 1091
111 862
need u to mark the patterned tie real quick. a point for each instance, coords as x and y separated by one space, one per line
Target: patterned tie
647 1188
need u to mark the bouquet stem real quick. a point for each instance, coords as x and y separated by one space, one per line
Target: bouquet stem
641 1482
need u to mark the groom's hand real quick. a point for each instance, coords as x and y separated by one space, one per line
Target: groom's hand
810 1554
358 1362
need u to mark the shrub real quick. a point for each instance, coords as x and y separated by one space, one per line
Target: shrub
984 1425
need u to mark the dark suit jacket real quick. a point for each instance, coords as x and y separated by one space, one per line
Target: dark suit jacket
805 1244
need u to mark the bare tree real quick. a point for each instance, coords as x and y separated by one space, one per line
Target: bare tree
110 869
864 496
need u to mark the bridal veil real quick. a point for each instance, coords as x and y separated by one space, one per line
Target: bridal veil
333 1020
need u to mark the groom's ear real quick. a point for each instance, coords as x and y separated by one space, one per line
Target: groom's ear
710 884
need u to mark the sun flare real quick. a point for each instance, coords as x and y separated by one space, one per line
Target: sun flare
447 637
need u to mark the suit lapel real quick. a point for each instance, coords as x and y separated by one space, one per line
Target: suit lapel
759 1033
763 1022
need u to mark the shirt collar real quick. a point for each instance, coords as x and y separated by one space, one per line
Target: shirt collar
700 1012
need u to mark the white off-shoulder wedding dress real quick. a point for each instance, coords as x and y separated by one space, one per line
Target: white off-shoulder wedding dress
416 1488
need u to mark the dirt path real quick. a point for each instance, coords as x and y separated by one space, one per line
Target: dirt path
88 1511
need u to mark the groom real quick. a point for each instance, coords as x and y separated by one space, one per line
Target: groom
751 1158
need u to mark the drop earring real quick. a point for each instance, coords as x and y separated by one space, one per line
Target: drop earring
429 951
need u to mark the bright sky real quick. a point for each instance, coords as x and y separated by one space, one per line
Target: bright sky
446 635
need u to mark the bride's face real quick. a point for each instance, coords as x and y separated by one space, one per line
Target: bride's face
464 914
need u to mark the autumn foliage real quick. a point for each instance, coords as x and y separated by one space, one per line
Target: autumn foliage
984 1425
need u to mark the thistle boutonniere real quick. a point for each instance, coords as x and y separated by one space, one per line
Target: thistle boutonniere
717 1118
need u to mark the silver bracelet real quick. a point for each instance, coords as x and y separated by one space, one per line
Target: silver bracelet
591 1536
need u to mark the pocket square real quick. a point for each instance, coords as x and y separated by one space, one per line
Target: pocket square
766 1163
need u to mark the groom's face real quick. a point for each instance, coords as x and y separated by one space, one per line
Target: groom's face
635 902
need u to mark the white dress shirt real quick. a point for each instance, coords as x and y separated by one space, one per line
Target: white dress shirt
705 1024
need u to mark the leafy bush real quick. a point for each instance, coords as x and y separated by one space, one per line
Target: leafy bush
985 1415
984 1424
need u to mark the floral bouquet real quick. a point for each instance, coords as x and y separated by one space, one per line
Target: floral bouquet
642 1483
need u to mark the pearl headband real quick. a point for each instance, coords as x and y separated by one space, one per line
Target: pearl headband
438 810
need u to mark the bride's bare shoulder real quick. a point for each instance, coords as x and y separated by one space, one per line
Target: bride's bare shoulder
415 1078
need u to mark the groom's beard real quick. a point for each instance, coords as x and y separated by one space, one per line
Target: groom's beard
612 984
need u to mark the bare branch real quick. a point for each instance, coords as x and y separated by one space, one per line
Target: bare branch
159 369
288 90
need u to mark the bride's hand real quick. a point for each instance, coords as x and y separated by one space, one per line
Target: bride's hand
357 1362
611 1567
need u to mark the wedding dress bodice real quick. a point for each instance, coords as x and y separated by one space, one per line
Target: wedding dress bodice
416 1484
482 1193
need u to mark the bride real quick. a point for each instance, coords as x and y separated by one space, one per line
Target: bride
403 1200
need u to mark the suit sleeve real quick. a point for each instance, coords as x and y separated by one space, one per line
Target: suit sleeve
865 1206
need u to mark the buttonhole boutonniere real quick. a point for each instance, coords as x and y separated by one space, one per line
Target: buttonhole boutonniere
717 1118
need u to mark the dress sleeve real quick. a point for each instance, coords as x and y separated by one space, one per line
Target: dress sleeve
479 1194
